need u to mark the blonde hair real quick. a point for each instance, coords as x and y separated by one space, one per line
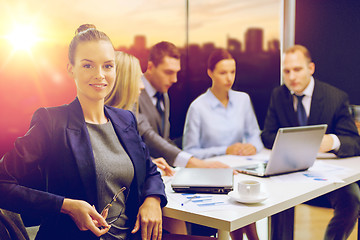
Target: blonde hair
125 93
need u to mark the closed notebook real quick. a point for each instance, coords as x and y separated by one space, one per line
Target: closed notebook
203 180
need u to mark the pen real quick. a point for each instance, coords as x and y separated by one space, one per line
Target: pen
182 204
209 204
199 197
320 179
202 200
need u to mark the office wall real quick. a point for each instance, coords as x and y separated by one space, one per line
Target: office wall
330 29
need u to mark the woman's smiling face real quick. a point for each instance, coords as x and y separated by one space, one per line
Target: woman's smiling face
93 69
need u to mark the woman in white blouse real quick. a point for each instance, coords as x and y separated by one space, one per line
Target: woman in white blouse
221 121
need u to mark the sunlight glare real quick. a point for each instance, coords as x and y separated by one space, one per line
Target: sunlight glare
23 37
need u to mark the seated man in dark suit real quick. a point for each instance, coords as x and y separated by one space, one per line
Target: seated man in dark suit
154 107
302 100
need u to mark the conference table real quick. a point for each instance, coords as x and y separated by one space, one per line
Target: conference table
283 192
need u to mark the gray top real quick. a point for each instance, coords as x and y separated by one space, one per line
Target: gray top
114 170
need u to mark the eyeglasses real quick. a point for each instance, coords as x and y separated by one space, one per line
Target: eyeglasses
110 221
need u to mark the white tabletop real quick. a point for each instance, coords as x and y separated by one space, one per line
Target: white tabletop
283 193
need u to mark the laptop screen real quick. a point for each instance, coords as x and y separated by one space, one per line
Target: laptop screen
294 149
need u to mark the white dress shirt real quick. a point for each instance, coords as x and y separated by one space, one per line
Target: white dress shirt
308 92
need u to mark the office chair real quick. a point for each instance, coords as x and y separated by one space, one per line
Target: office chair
11 226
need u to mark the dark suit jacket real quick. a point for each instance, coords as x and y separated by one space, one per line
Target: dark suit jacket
149 125
328 105
54 160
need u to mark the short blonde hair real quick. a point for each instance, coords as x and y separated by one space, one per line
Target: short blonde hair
126 89
302 49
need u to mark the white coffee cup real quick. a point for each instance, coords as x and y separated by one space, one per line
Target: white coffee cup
249 188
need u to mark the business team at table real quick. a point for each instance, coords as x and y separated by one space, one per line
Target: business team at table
222 121
302 100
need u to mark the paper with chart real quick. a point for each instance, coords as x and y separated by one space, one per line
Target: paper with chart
204 202
320 172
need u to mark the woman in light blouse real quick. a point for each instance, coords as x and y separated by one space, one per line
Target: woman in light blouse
222 121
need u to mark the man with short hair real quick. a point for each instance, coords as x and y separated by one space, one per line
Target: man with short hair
154 107
302 100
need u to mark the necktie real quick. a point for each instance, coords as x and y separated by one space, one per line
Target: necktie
160 98
301 114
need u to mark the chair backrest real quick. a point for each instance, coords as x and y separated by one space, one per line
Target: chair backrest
11 227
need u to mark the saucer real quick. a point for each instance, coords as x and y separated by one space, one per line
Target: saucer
235 195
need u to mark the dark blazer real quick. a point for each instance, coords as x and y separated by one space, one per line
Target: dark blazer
328 105
149 125
54 160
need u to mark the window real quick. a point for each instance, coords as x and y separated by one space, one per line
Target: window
33 73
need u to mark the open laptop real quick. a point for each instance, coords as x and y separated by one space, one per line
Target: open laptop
294 149
203 180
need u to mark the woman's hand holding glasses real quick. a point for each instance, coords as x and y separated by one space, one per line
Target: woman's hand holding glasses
85 216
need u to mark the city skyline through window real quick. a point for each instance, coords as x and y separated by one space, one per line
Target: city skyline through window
34 75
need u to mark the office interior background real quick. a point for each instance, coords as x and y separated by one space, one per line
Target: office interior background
34 37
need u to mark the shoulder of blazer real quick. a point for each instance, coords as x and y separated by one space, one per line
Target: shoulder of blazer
328 93
327 88
66 116
51 116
